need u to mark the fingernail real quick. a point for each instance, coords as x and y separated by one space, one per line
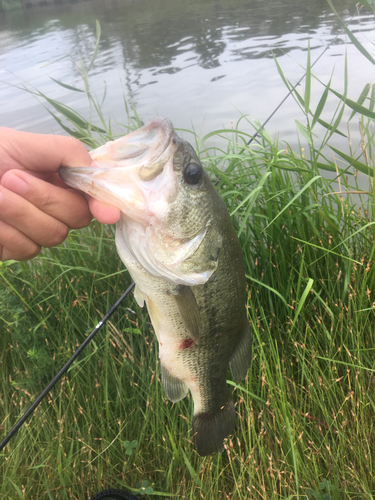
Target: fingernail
15 184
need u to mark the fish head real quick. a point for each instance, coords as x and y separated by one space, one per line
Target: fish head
166 199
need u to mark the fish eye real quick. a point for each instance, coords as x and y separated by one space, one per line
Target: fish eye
192 173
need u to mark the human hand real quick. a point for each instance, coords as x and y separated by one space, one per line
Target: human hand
37 208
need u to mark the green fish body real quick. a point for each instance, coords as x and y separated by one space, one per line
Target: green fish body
176 238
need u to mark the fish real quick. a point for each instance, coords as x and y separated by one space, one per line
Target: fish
177 240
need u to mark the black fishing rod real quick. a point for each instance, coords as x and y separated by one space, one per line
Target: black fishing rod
107 494
45 391
111 494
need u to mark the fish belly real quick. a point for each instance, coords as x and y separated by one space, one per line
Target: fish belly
173 337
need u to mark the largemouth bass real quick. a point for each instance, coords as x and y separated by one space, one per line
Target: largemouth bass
176 238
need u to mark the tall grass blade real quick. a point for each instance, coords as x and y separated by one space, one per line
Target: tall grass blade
280 71
68 87
71 115
372 99
331 128
361 98
268 288
314 179
302 302
306 134
358 165
252 197
98 34
239 387
320 106
358 108
327 250
308 81
191 470
351 36
369 5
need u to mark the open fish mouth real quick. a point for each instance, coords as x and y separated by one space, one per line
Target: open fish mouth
128 169
140 174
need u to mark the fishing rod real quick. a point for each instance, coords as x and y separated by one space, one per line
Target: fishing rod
109 494
45 391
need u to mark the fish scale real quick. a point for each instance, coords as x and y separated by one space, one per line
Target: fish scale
176 239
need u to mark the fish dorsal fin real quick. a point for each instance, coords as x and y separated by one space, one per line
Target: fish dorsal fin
174 388
241 358
188 308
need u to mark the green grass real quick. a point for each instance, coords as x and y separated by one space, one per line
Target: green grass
306 409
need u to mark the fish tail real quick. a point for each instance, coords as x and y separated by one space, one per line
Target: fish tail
211 428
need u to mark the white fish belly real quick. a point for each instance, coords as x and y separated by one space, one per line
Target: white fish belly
170 330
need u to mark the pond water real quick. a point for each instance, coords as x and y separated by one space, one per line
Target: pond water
202 63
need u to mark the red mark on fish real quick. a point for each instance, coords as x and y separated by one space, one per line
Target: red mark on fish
186 344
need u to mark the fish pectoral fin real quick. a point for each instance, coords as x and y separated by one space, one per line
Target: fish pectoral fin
139 297
154 316
241 358
174 388
189 311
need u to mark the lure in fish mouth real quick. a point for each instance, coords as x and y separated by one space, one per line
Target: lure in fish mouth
176 238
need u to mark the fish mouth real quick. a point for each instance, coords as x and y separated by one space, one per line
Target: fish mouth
138 175
128 169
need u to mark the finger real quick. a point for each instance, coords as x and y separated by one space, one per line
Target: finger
104 213
41 153
15 245
38 226
65 205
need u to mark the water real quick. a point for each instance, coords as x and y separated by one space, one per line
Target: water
201 63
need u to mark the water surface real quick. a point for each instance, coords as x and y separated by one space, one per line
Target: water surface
201 63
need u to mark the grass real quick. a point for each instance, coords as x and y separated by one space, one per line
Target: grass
306 409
